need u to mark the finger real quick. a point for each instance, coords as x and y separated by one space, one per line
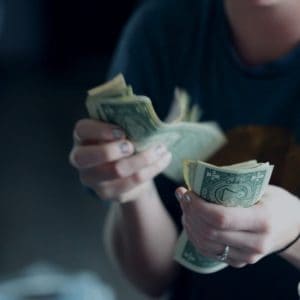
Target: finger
92 176
236 264
179 193
88 130
246 247
113 188
236 257
133 164
205 247
83 157
224 218
122 168
248 241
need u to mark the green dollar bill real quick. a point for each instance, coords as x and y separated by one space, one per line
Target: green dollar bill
236 185
115 102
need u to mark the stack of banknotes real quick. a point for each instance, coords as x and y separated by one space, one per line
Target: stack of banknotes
115 102
240 184
190 142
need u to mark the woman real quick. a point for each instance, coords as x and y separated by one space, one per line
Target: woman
240 61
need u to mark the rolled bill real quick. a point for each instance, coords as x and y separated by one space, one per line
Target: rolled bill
236 185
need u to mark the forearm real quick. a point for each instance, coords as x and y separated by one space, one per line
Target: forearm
142 237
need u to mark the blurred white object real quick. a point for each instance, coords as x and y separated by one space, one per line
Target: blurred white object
299 290
43 282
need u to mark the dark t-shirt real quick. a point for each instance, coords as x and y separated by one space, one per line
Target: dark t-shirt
187 43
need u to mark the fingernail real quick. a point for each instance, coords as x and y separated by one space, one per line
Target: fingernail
117 133
178 196
124 147
159 150
187 197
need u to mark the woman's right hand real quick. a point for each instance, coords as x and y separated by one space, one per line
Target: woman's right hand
107 162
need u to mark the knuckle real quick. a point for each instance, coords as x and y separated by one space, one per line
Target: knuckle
209 233
118 170
265 217
146 157
139 177
261 247
103 154
237 265
74 157
212 234
252 259
103 191
164 159
162 163
71 157
79 125
220 221
266 225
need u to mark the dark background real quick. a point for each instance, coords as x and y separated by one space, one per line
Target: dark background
51 52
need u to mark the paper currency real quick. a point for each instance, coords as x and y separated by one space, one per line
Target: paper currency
236 185
115 102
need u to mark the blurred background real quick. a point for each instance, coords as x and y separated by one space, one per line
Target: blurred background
51 52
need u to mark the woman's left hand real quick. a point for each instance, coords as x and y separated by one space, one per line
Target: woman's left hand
251 233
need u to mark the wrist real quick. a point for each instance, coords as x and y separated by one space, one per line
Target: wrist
139 200
291 254
295 243
141 193
289 245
